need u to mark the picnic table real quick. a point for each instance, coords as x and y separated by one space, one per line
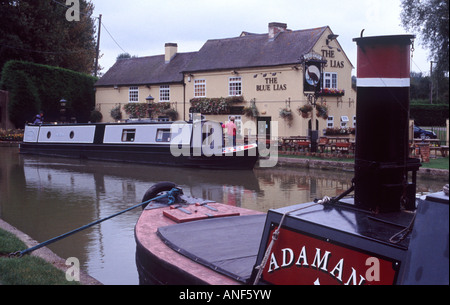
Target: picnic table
337 144
295 143
431 144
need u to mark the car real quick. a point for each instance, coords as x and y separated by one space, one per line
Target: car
426 134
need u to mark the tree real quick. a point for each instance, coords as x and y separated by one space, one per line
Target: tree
38 31
430 19
125 56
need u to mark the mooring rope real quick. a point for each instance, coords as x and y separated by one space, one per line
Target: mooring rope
276 233
171 195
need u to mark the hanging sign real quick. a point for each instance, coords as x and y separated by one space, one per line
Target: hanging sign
312 78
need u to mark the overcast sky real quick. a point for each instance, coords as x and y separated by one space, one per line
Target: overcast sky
142 27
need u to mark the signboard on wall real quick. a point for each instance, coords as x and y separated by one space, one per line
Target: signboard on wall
312 78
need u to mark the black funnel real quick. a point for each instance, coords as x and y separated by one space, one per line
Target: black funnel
385 177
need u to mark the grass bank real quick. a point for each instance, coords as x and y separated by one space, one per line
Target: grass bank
436 163
27 270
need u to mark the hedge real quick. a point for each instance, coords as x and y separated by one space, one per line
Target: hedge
46 86
429 114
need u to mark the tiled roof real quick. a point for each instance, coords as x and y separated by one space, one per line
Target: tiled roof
146 70
254 50
246 51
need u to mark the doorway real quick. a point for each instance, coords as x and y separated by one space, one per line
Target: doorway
264 123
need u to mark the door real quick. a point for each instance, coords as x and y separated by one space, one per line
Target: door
264 123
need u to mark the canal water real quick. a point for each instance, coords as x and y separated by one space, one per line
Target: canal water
46 197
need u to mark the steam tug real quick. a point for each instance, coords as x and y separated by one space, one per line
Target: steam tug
382 235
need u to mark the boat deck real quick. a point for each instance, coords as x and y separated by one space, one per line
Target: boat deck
224 251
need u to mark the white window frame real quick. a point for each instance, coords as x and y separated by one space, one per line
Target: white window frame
235 86
344 121
200 88
164 93
163 135
133 94
128 135
330 121
330 80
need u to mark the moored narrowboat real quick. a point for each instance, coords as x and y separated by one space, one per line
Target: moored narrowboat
186 144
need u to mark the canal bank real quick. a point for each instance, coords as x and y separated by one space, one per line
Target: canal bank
46 254
299 162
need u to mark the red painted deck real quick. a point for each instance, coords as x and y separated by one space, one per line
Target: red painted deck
146 236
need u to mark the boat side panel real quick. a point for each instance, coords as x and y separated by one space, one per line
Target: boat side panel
31 134
66 134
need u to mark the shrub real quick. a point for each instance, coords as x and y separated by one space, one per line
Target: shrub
24 101
429 114
51 84
96 116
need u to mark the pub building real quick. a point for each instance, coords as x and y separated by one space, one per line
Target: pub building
259 77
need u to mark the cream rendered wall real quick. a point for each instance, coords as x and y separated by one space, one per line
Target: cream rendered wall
270 92
284 89
346 105
106 98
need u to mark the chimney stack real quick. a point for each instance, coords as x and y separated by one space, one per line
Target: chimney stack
170 51
275 28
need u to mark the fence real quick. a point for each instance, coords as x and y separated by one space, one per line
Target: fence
441 133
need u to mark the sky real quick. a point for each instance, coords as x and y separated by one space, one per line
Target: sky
142 27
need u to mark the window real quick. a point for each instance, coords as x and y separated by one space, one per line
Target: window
330 122
128 135
344 121
133 94
330 80
164 93
200 88
163 135
235 86
354 121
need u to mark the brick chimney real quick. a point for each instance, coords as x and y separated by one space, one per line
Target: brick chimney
275 28
170 51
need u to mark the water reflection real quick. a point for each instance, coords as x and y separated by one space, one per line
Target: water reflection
45 197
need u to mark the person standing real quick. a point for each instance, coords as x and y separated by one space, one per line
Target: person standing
39 119
231 131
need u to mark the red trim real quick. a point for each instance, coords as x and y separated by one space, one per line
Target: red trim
387 61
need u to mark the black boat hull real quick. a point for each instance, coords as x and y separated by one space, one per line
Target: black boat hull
145 154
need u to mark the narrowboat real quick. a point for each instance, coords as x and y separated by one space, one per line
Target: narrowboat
381 235
187 144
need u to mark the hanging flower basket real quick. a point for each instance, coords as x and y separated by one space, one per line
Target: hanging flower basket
305 111
116 114
251 111
322 111
286 114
